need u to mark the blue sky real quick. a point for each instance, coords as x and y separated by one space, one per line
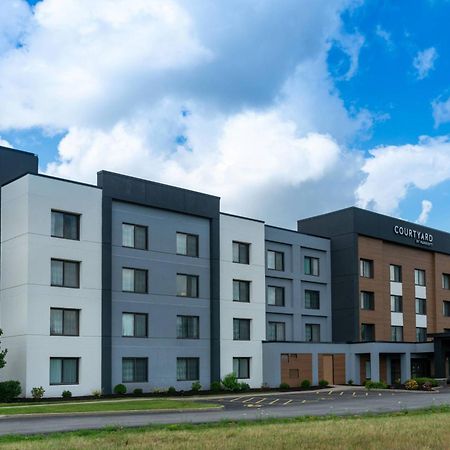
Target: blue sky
284 109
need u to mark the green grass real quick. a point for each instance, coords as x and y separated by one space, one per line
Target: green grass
425 429
100 406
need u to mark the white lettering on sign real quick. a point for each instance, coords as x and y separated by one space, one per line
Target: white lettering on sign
419 237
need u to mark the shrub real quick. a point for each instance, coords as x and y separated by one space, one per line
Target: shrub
305 384
375 385
137 391
37 392
230 382
120 389
196 386
323 383
66 394
422 380
97 393
244 387
171 390
216 386
284 386
9 390
411 385
427 386
350 382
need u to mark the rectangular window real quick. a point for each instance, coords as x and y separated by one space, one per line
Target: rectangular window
187 327
241 367
241 329
312 299
188 369
187 285
396 334
275 295
419 277
241 252
367 300
134 280
64 322
445 281
275 260
187 244
134 236
396 303
65 273
241 291
64 370
367 332
65 225
311 266
134 325
134 370
421 306
421 334
276 331
446 308
366 268
312 332
395 273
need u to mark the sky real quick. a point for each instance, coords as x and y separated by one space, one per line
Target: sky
284 109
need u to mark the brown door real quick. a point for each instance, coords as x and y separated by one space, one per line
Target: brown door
328 368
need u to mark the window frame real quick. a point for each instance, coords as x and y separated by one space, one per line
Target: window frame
394 334
135 269
145 227
417 334
417 279
364 327
196 336
248 283
364 295
312 327
446 303
393 299
362 265
276 325
192 277
135 359
77 310
187 360
65 213
134 314
65 261
64 358
422 301
237 336
283 295
241 359
239 246
309 291
392 273
446 276
188 235
311 265
275 259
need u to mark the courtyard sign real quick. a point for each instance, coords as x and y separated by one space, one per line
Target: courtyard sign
419 236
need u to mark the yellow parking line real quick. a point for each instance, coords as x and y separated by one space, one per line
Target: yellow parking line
260 401
287 403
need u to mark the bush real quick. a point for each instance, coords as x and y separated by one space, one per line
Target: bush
350 382
97 393
427 386
284 386
216 386
9 390
411 385
196 386
37 392
422 380
171 390
66 394
305 384
230 382
120 389
375 385
137 391
244 387
323 383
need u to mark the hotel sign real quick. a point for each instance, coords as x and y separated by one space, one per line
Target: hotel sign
419 237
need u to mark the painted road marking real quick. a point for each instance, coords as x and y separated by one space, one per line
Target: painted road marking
367 394
260 401
304 401
276 400
342 393
317 392
329 393
287 403
354 394
248 400
235 399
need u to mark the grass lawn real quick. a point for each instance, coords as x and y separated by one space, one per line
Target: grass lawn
100 406
427 429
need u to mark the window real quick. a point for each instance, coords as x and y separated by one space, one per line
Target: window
65 225
367 300
368 368
445 281
396 334
395 273
276 331
311 266
241 329
65 273
134 280
187 244
396 303
367 332
241 291
275 295
187 327
64 322
187 285
419 277
312 332
275 260
421 334
421 306
63 370
366 268
134 236
134 325
241 253
312 299
134 370
241 367
446 306
188 369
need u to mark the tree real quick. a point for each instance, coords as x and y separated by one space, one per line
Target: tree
2 354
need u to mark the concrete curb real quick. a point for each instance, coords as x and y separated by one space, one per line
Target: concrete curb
404 391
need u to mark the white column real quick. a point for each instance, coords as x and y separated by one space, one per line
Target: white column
405 365
375 366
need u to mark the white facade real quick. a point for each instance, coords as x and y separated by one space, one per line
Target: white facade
251 232
26 294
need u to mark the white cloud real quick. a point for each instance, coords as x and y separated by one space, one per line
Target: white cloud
424 61
441 111
385 36
5 143
392 170
426 209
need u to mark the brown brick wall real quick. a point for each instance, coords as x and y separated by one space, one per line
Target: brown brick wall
291 362
339 368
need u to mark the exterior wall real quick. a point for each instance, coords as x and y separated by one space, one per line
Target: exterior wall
26 295
249 231
162 305
295 246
